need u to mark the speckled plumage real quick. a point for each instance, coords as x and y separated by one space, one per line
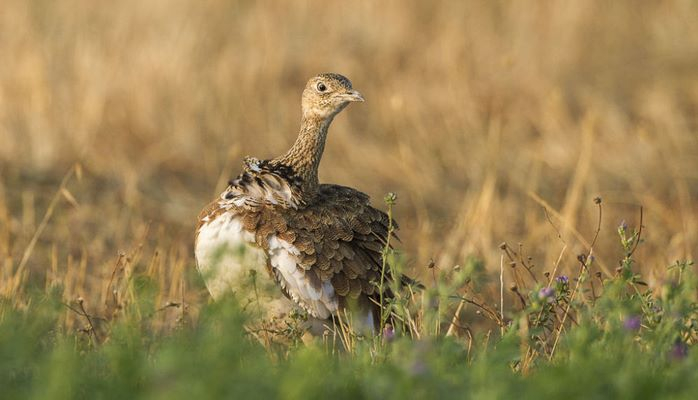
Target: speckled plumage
322 242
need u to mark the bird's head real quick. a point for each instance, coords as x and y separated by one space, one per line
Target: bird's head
326 95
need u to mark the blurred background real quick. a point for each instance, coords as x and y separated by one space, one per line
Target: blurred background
493 122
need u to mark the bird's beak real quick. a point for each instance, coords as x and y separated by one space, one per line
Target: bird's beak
352 95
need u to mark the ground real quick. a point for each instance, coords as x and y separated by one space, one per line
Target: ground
492 122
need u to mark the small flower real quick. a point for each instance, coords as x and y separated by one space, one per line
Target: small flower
623 227
388 333
562 279
547 294
632 323
678 351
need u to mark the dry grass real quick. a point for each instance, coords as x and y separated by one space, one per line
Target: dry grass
477 114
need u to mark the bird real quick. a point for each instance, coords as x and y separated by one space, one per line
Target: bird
320 243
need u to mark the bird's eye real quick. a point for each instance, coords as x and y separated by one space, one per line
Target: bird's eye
321 87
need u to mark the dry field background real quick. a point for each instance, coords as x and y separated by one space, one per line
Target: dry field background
478 113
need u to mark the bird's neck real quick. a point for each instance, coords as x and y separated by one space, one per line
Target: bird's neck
305 154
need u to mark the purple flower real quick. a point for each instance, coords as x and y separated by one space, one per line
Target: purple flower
678 351
562 279
547 294
623 226
632 323
388 333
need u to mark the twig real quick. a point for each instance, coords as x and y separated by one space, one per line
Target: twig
390 201
572 229
83 312
564 317
167 305
81 302
639 235
557 265
550 221
42 225
597 201
454 320
491 314
501 291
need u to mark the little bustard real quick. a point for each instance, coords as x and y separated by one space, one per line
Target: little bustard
321 243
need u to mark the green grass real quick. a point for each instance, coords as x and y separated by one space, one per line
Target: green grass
617 340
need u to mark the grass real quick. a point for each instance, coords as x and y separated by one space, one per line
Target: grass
497 124
565 338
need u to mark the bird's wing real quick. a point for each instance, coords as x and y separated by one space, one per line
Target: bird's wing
337 241
263 182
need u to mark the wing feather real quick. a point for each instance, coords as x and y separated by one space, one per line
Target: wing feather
336 240
341 239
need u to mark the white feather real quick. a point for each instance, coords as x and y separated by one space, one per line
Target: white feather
225 253
321 302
